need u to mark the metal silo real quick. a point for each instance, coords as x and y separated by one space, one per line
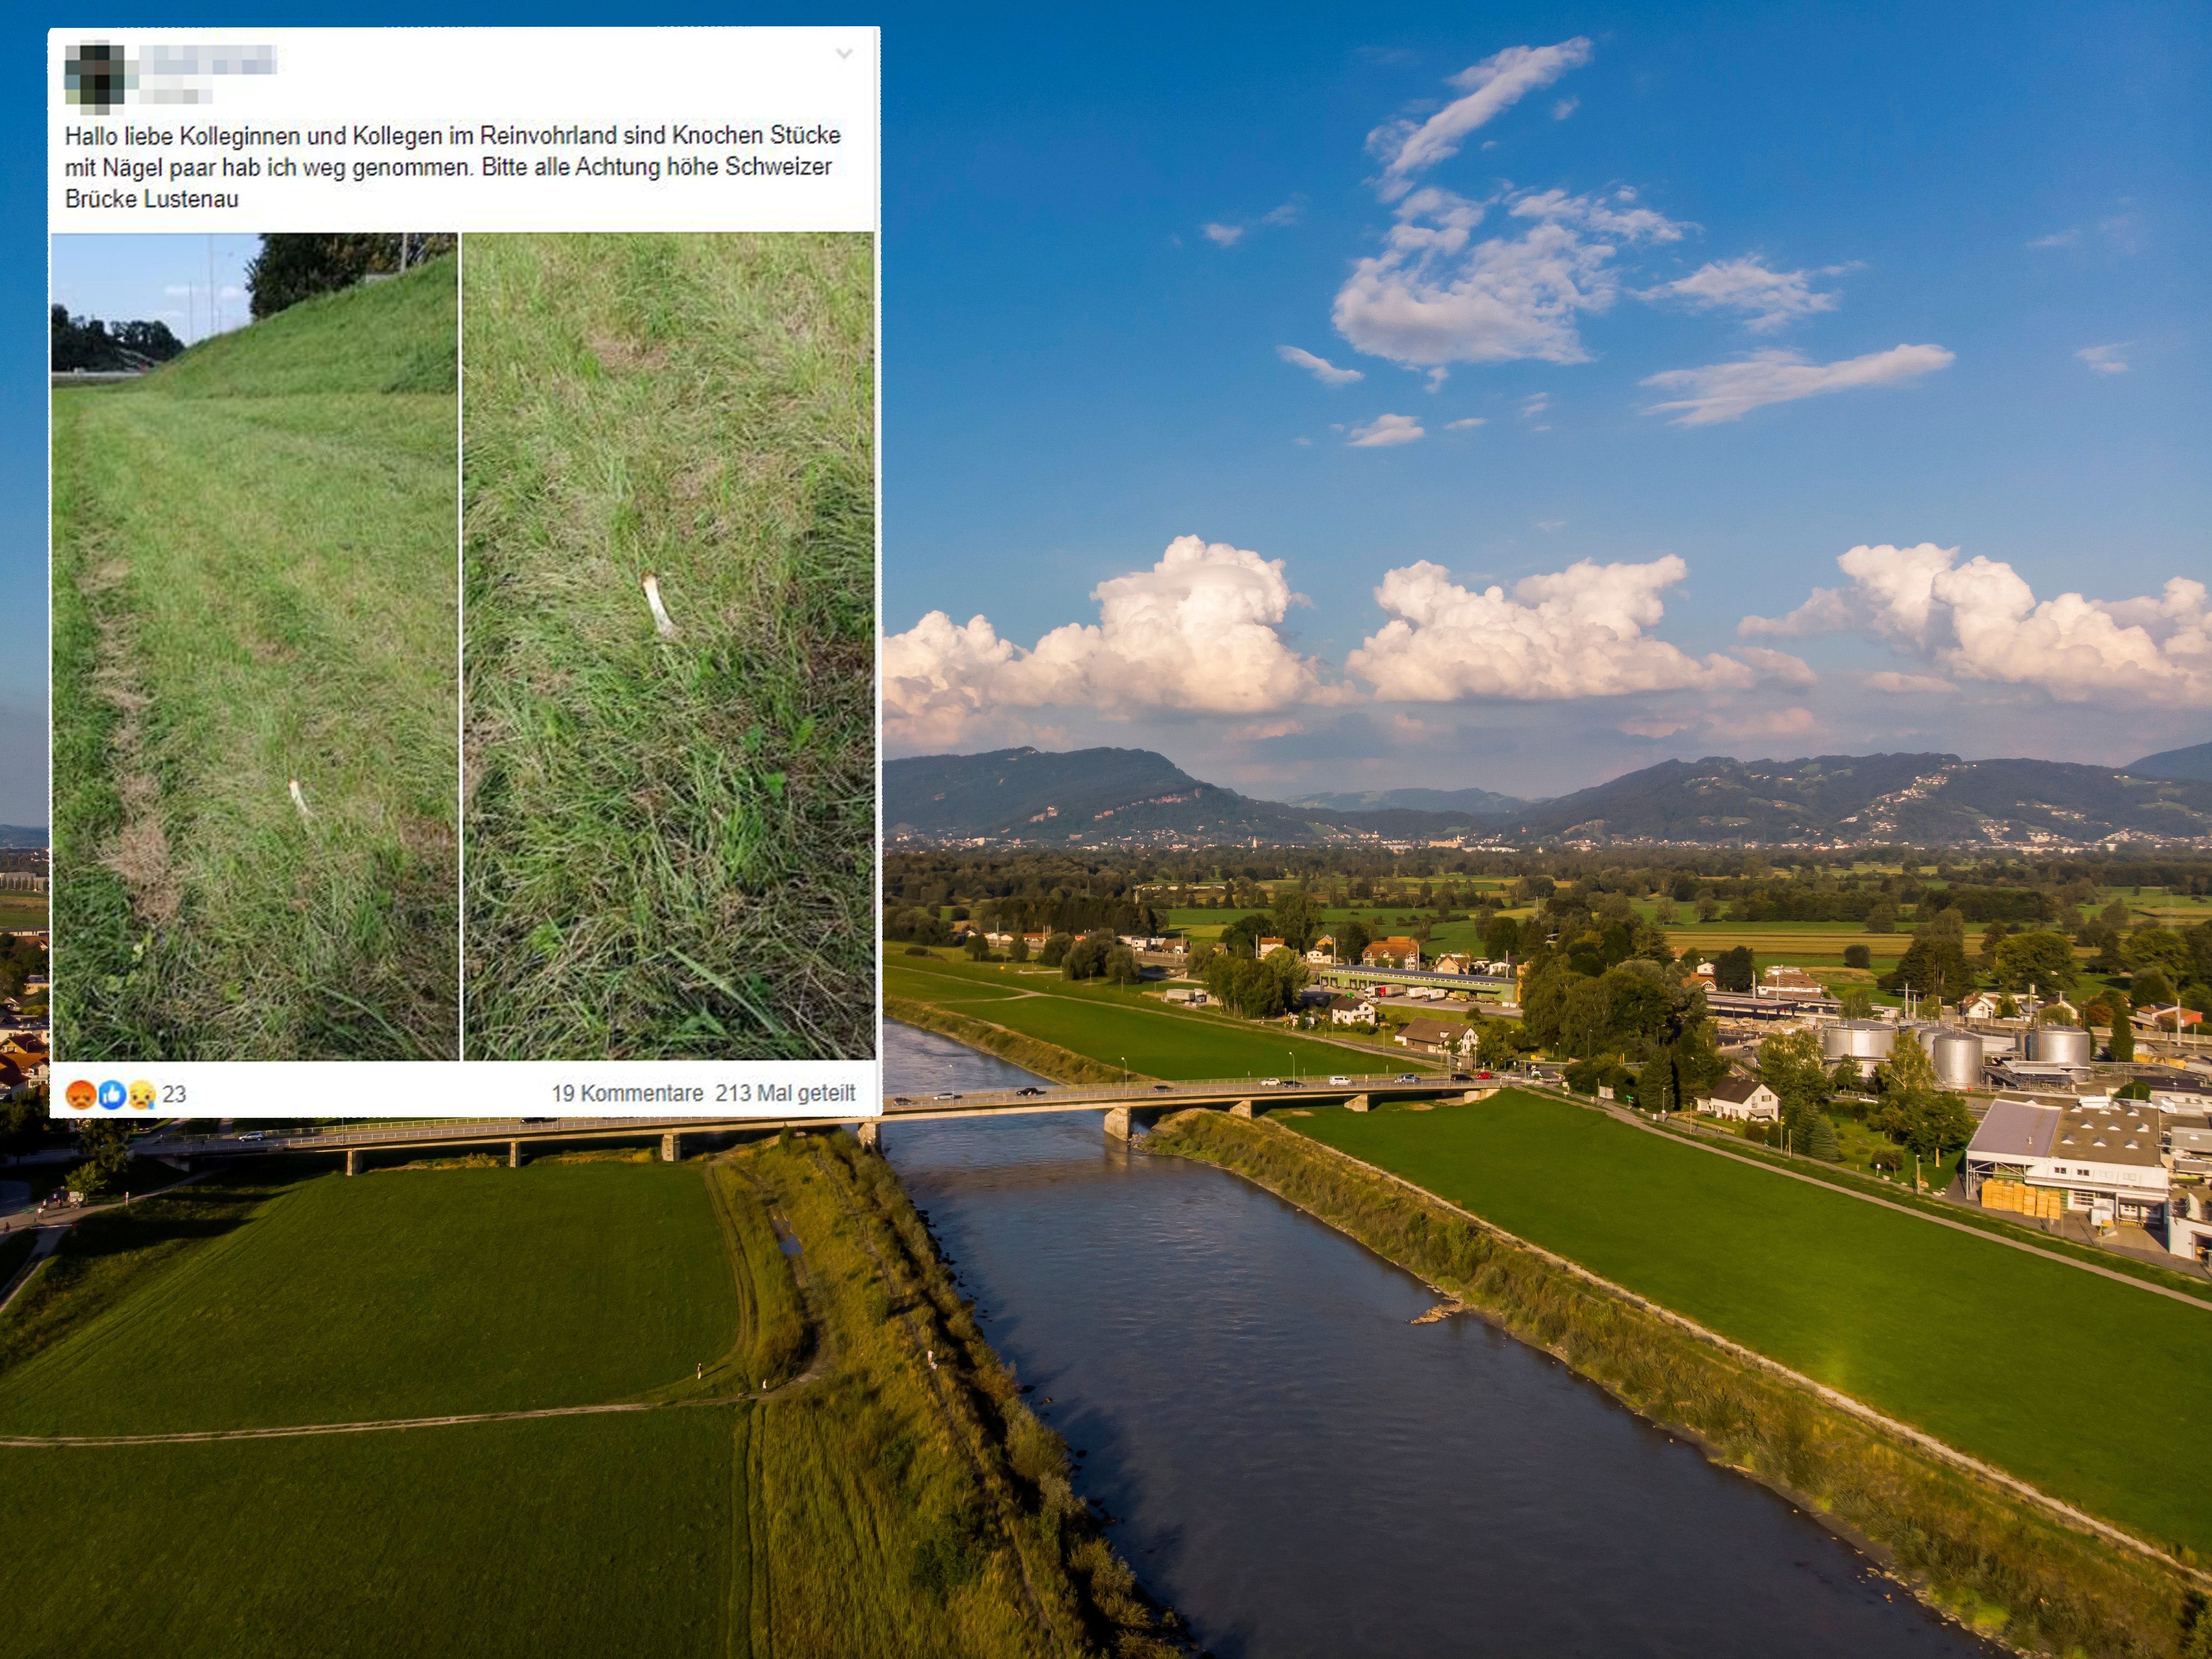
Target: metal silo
1866 1041
2060 1045
1958 1058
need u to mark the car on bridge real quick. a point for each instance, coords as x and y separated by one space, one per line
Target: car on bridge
1339 1081
1409 1077
1029 1089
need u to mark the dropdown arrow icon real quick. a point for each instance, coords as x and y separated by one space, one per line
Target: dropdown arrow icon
844 51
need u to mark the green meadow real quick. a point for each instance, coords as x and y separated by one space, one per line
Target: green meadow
254 583
800 1480
671 842
1116 1025
2084 1387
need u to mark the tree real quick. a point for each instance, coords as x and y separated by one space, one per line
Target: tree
1665 913
2122 1045
1858 956
1992 936
1018 951
1298 917
1352 940
1933 965
1055 951
294 267
1735 969
1708 906
1657 1088
1501 940
2043 960
1498 1044
1856 1001
2148 986
106 1154
1821 1141
1791 1065
1882 919
975 945
23 1124
1845 1079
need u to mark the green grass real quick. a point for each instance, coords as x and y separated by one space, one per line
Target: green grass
595 1537
254 582
22 912
1109 1024
670 845
581 1283
2078 1384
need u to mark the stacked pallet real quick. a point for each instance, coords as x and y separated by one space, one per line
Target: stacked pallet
2042 1203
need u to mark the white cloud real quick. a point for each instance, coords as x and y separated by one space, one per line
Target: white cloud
179 290
1195 632
1437 378
2058 238
1535 404
1769 299
1550 526
1221 235
1385 430
1893 684
1320 367
2106 359
1981 620
1288 214
1728 392
232 292
1466 425
1759 723
1565 107
1779 666
1491 87
1576 633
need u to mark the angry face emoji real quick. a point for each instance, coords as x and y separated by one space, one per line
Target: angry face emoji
81 1094
142 1096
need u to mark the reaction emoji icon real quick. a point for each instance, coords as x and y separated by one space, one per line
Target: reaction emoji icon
110 1096
142 1096
81 1094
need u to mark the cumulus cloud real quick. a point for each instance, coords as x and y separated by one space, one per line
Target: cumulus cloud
1434 295
1576 633
1320 367
2106 359
1491 88
1385 430
1729 391
1466 425
1981 620
1779 666
1221 235
2058 238
1195 632
1740 727
1769 299
1893 684
1565 107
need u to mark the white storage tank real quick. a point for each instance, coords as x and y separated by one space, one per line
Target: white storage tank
1866 1041
1958 1058
2060 1045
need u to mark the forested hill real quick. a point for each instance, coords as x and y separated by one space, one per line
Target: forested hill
1128 797
2194 761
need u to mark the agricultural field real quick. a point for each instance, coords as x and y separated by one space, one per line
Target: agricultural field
794 1478
22 912
670 837
1110 1023
2000 1353
254 586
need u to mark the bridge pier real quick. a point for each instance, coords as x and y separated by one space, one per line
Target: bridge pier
513 1154
1357 1103
1244 1109
1117 1123
672 1147
870 1133
353 1160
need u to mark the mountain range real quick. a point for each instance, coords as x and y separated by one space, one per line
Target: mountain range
1133 797
2194 761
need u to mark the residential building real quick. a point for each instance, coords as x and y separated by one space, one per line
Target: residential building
1186 996
1783 979
2096 1158
1353 1010
1396 952
1323 954
1451 963
1434 1036
1744 1098
1263 948
2155 1016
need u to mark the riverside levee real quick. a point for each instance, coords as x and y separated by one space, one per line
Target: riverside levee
1299 1469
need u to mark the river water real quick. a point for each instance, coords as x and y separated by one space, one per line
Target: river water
1301 1471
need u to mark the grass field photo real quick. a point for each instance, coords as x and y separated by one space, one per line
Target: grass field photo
1988 1347
256 691
670 617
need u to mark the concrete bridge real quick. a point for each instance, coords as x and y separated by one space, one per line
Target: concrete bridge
1351 975
1127 1106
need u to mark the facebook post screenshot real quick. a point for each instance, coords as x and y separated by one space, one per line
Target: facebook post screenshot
1087 832
462 566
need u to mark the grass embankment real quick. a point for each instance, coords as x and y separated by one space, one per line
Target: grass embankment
1109 1024
253 583
1046 1059
671 843
2002 1566
2003 1355
865 1504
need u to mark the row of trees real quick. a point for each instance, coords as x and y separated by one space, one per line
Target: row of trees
87 343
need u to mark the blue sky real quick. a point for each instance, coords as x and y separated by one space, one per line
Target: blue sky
1077 376
154 279
1934 219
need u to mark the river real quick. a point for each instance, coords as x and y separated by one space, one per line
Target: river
1300 1470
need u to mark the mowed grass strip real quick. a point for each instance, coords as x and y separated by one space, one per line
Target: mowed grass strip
671 843
254 582
1109 1025
595 1537
403 1294
2080 1385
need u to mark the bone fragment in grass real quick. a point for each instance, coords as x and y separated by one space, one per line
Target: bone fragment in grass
299 800
661 617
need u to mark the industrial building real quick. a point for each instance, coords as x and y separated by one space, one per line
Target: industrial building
2096 1159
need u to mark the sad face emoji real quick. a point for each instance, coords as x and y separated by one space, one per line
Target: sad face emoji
142 1096
81 1094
